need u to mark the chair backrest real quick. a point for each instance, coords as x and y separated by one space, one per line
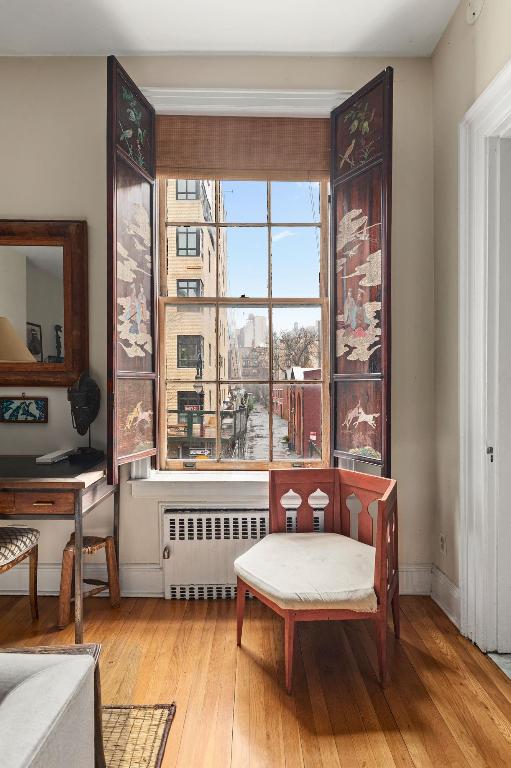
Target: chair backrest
304 482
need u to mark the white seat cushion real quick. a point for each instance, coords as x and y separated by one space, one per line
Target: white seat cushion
311 570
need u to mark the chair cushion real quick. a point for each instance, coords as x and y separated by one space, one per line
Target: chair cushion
301 571
15 541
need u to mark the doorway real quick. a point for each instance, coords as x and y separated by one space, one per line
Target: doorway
485 367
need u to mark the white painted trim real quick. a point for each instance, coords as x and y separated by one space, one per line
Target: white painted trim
446 595
415 579
233 101
146 580
489 117
215 490
137 580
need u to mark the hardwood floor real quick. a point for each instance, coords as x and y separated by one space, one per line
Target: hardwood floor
447 704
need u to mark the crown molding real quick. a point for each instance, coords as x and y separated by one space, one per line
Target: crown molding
247 103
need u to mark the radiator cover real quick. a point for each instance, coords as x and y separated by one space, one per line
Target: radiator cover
203 544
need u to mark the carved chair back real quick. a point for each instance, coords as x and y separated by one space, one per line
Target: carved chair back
303 482
340 486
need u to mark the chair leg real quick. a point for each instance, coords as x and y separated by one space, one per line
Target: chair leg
66 581
381 640
113 573
395 612
34 608
240 608
289 639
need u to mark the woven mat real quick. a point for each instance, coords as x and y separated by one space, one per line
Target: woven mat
135 737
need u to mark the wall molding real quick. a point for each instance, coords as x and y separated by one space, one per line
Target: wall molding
146 580
446 595
137 580
242 102
489 118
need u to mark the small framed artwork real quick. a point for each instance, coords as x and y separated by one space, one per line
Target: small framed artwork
23 410
35 341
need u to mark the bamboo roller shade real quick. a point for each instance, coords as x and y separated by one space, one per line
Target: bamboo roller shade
242 147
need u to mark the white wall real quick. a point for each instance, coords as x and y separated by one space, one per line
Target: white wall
13 289
52 155
465 61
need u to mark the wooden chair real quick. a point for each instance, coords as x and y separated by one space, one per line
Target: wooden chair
16 544
90 544
330 576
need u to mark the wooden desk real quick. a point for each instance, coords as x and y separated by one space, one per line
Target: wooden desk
62 491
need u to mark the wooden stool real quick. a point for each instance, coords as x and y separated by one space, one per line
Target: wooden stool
90 544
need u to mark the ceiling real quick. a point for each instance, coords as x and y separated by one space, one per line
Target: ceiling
99 27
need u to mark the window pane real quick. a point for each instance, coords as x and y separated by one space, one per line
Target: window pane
191 256
243 202
245 423
296 341
191 420
191 200
295 261
246 262
294 201
190 342
243 339
297 421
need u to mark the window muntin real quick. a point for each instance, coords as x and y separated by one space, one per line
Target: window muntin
188 241
242 318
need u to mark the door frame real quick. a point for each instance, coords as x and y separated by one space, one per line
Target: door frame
487 121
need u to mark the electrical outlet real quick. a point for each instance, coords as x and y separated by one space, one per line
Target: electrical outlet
443 544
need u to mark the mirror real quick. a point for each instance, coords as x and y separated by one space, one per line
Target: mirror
43 302
32 301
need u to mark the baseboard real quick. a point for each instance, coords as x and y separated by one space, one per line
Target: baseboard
146 580
415 579
136 580
446 595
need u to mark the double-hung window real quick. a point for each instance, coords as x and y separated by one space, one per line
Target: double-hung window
257 303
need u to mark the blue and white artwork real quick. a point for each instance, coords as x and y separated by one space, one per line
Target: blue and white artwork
24 410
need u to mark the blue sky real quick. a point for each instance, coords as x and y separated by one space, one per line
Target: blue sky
295 250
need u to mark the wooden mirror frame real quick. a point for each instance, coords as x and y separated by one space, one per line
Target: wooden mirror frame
72 237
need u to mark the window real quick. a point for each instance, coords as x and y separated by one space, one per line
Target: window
258 305
190 352
189 288
187 189
188 241
188 404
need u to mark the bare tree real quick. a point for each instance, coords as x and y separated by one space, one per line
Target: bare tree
299 346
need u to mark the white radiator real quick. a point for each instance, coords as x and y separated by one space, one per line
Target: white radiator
200 547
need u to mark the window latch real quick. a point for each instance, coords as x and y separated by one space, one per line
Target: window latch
489 451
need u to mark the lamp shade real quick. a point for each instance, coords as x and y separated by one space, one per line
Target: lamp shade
12 348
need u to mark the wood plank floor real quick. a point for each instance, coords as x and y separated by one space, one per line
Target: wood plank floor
447 705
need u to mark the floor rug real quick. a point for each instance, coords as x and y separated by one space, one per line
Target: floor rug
136 736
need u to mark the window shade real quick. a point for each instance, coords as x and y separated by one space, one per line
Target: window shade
242 147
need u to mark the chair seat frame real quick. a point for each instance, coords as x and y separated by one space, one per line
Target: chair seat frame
339 485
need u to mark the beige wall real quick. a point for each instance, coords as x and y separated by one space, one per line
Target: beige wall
52 156
465 61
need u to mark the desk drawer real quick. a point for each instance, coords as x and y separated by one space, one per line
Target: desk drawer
44 502
6 502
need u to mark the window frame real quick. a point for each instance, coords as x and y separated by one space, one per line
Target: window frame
199 284
188 231
187 194
269 302
188 336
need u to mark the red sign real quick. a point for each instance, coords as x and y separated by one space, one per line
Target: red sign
192 407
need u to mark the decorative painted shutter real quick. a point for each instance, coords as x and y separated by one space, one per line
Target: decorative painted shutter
361 190
132 273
